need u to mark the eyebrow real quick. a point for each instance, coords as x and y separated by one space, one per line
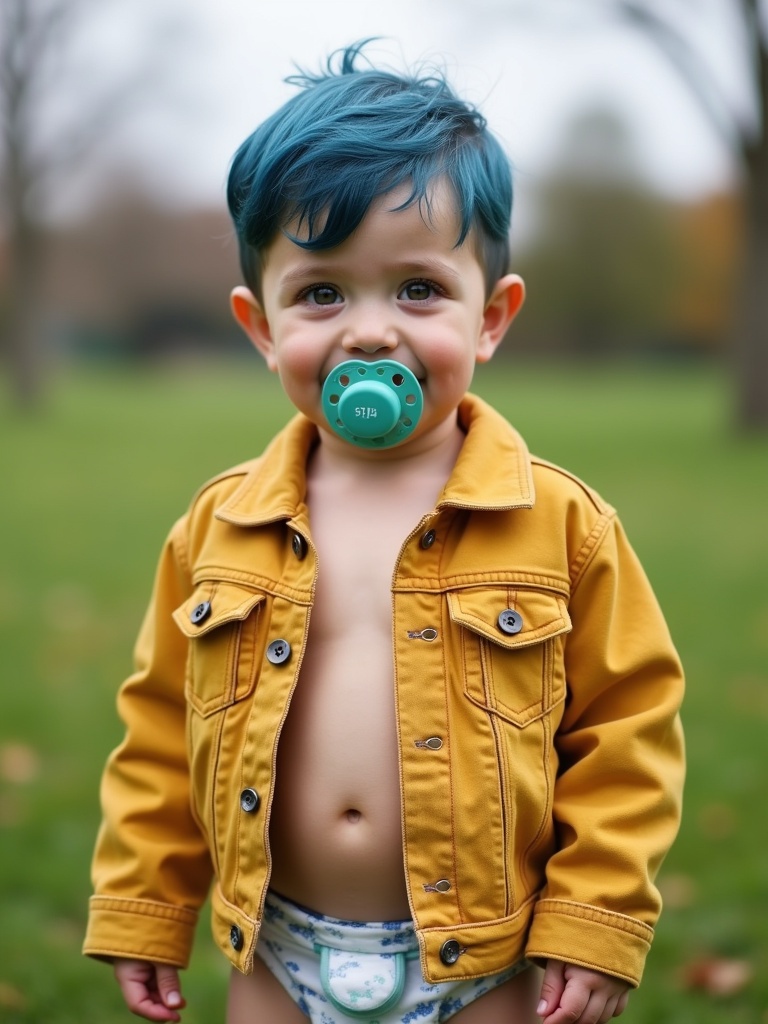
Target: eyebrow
426 266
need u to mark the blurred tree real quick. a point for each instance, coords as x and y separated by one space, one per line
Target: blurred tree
672 26
54 113
164 287
606 256
747 138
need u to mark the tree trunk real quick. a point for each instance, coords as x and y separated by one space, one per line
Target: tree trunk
751 340
24 344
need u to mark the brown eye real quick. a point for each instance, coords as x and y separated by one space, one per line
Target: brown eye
417 291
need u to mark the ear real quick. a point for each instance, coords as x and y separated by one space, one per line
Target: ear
501 309
248 312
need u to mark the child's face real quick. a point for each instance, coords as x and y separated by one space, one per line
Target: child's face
397 288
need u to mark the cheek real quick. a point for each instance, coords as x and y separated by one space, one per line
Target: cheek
451 357
298 355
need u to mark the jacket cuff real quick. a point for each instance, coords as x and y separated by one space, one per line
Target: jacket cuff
139 929
601 940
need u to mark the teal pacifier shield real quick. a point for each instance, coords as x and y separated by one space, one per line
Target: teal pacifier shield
372 405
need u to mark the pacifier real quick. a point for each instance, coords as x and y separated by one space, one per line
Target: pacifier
372 405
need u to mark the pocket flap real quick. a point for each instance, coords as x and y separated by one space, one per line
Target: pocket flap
213 604
539 614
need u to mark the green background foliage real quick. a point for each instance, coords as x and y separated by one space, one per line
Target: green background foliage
92 484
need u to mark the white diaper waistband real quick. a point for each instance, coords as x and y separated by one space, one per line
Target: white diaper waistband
312 930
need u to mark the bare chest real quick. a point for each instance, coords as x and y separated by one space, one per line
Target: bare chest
357 554
336 825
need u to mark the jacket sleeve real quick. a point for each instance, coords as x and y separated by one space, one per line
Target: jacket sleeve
617 796
151 869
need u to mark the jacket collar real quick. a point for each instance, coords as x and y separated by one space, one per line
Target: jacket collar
492 472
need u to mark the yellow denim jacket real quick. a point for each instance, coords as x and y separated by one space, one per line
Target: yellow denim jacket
537 697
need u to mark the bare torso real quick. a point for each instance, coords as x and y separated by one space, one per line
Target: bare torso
335 833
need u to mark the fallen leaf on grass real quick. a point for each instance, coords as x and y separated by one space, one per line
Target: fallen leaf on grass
19 763
677 891
64 933
717 976
11 998
717 821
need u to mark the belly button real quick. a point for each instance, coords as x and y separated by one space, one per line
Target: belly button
353 816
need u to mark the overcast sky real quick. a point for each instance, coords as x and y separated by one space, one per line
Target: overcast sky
225 61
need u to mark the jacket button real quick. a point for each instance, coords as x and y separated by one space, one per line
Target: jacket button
250 800
200 613
510 622
428 539
299 546
278 652
236 938
450 952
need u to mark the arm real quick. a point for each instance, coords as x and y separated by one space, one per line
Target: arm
151 868
618 787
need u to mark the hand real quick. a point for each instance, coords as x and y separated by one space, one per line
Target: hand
150 990
576 995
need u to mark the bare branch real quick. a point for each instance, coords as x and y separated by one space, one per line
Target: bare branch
689 65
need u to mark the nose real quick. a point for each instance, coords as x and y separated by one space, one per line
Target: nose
368 329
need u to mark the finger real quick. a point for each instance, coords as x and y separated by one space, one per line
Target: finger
594 1011
135 993
134 978
615 1004
167 979
607 1011
572 1004
150 1009
551 987
138 985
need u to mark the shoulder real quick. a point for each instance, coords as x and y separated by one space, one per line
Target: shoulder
502 465
198 522
570 509
553 482
221 486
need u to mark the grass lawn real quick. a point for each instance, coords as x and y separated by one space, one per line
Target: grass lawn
90 487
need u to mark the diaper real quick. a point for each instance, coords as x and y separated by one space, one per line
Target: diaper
337 971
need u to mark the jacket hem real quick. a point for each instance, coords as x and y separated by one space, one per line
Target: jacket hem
139 929
606 941
487 947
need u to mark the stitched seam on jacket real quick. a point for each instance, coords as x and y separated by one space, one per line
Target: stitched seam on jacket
219 574
496 578
146 908
451 790
589 548
586 912
180 543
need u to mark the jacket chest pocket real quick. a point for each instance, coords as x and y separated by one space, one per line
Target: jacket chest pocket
221 622
512 643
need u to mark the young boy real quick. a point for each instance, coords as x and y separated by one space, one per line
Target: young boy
403 691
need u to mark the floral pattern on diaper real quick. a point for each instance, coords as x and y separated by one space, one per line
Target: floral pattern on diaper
361 983
371 972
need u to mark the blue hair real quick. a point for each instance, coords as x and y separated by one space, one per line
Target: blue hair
352 135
